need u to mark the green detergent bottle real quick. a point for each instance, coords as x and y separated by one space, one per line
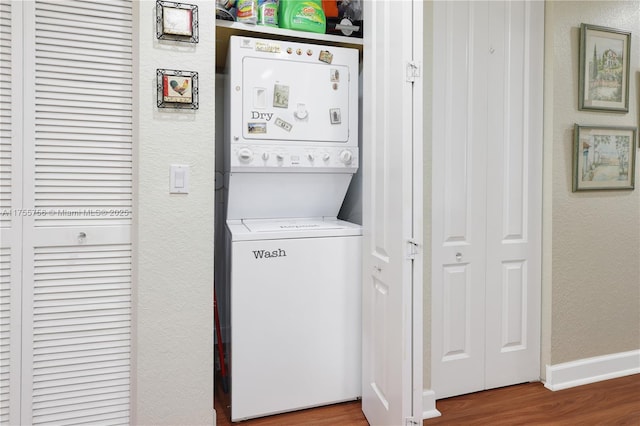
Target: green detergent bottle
302 15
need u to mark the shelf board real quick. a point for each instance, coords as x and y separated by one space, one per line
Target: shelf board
225 29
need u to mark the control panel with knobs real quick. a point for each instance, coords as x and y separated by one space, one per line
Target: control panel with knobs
299 157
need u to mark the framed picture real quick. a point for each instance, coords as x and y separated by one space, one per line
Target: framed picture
604 69
176 21
177 89
604 157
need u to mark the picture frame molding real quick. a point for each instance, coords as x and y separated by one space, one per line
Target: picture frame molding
160 82
582 159
586 104
162 33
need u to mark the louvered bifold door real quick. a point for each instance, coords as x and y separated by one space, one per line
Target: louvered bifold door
10 213
78 186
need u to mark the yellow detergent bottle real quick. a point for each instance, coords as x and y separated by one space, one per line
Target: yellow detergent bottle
302 15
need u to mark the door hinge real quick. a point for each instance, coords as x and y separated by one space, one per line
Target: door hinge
410 421
413 248
413 71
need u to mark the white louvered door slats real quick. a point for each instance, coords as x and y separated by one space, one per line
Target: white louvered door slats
5 114
5 330
83 113
10 223
81 334
78 190
5 214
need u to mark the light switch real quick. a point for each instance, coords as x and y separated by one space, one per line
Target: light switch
179 179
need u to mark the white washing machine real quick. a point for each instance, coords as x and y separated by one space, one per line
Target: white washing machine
295 315
293 268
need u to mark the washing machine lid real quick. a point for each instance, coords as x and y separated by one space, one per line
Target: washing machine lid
267 229
291 225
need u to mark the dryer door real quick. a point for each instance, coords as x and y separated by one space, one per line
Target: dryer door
295 101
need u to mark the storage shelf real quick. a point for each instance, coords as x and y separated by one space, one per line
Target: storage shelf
225 29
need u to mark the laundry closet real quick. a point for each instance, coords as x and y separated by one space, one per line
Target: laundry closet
288 268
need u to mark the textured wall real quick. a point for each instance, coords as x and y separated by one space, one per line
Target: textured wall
173 376
592 239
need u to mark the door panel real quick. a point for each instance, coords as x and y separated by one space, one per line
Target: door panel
10 218
387 215
487 177
459 212
515 195
77 190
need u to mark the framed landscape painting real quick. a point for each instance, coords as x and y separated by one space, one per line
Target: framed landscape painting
604 157
604 69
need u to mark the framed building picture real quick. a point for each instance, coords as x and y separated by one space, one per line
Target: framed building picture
177 89
176 21
604 157
604 69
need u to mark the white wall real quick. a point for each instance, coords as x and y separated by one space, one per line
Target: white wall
173 272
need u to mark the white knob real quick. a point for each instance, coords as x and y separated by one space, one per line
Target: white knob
326 157
301 112
311 156
245 155
346 157
265 156
280 157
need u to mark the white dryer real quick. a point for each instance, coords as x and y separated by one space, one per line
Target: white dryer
293 268
292 134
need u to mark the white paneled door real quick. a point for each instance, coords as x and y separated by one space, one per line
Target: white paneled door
392 281
71 196
487 179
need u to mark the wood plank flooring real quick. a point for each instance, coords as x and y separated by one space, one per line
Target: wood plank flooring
613 402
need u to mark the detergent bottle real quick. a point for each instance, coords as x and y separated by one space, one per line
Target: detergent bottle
302 15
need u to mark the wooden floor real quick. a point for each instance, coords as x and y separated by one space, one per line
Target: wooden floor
612 402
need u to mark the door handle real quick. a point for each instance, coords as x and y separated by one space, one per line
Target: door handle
458 257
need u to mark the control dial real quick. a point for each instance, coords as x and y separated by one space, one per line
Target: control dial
346 156
245 155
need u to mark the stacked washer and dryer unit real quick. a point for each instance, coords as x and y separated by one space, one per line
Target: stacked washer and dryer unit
293 268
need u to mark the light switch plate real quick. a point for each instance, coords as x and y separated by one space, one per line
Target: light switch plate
179 179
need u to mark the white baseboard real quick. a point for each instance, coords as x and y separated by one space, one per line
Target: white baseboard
429 405
591 370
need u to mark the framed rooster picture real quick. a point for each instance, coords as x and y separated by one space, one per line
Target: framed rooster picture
177 89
